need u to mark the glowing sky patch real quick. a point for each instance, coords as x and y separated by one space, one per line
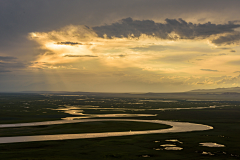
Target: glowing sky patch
148 58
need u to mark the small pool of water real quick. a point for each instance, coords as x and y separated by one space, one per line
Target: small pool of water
145 156
173 148
207 153
211 144
158 149
173 140
168 145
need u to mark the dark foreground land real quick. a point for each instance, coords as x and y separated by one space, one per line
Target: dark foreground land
17 108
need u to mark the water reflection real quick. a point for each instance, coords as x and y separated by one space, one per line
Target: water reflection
210 144
107 115
145 156
176 127
173 140
77 110
158 149
173 148
168 145
157 100
207 153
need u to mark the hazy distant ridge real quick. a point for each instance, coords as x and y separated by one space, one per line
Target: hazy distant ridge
218 90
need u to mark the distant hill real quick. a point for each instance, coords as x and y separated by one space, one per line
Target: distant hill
217 90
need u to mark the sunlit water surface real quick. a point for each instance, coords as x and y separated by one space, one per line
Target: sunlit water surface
173 148
78 111
210 144
176 127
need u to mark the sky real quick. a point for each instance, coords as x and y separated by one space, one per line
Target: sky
119 46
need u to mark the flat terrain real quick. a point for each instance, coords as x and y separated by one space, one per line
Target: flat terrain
18 108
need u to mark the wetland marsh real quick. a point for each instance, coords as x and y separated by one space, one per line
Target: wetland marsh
124 112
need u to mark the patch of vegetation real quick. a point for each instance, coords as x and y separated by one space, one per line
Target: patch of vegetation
74 128
225 120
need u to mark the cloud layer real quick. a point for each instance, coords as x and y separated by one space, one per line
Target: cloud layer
69 43
8 63
172 29
230 39
81 45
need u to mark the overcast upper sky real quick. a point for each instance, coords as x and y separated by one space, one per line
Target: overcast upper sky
119 46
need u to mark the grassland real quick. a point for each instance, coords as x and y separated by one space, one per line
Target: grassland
16 108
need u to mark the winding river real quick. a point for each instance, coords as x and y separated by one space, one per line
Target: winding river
176 127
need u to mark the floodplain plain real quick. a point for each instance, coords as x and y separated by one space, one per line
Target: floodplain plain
222 115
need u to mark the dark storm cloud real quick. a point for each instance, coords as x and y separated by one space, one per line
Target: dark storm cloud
18 17
80 56
69 43
7 64
209 70
228 39
7 58
185 30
